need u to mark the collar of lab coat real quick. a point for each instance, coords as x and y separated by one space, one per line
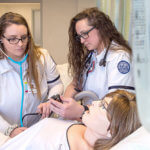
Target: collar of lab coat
5 66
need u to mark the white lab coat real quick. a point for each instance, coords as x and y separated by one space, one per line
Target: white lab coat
117 74
10 91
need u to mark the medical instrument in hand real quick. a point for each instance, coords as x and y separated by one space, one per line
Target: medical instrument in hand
21 79
57 98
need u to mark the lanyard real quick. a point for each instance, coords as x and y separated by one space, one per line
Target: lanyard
83 76
21 79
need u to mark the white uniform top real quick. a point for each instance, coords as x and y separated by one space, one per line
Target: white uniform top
48 134
117 74
11 91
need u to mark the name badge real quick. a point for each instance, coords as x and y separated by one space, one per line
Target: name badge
27 88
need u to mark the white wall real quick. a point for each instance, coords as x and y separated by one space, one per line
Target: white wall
25 9
56 15
83 4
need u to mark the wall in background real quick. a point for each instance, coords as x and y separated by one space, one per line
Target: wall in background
56 16
25 9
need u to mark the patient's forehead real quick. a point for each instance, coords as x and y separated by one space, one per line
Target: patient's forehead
98 103
107 99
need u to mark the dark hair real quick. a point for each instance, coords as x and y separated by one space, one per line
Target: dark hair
107 30
33 51
123 117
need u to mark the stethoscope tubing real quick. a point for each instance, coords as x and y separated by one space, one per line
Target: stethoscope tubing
21 79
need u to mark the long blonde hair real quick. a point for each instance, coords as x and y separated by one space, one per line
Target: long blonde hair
33 51
123 116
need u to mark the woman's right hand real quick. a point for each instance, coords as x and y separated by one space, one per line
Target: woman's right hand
17 131
44 109
69 109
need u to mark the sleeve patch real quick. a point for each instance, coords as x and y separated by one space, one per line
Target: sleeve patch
123 67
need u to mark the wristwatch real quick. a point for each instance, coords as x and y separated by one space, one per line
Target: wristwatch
10 129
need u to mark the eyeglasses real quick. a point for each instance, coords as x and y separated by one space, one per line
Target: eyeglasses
104 104
23 39
84 35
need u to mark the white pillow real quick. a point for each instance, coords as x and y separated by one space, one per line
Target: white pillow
65 77
138 140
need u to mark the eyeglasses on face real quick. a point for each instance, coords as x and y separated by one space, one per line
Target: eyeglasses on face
104 104
23 39
84 35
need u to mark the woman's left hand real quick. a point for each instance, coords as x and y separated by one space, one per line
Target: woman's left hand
44 109
17 131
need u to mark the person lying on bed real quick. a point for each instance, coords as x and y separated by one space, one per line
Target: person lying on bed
105 124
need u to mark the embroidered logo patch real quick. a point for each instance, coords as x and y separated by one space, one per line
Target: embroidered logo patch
123 67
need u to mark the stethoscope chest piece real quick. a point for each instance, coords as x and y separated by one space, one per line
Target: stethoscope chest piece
102 62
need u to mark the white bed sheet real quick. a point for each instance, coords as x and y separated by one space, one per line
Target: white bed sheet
48 134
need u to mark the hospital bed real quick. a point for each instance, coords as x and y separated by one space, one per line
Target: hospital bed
138 140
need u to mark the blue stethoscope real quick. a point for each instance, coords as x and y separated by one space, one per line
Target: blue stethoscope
21 79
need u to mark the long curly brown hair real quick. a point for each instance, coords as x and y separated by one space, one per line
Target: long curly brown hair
107 30
33 51
123 117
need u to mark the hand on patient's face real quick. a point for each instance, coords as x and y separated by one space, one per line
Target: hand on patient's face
69 109
44 109
17 131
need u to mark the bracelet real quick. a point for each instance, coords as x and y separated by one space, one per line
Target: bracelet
10 129
85 109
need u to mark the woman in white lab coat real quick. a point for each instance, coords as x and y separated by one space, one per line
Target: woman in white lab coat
100 60
28 75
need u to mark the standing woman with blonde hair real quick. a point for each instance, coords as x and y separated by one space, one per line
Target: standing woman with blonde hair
28 75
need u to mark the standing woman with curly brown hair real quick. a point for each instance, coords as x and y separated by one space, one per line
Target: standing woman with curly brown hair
28 75
99 59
